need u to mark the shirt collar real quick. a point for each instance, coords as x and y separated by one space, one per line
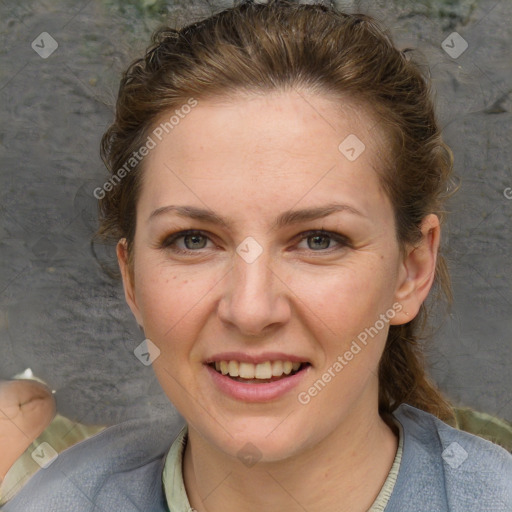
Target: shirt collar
176 494
174 486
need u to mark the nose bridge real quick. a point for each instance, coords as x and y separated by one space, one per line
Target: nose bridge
252 271
253 300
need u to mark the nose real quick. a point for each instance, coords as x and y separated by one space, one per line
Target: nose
254 299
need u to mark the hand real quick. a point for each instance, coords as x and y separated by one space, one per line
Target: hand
27 407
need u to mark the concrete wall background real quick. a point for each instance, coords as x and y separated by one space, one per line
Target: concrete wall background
59 313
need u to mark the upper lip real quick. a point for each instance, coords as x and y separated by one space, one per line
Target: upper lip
256 358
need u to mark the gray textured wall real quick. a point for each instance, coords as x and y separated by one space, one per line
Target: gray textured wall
61 316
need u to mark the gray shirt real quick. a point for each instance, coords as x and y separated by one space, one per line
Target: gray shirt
121 469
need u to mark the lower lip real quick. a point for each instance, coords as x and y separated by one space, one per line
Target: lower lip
256 392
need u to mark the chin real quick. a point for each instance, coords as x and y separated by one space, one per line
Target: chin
260 439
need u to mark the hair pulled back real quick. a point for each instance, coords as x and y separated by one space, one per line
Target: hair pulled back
260 48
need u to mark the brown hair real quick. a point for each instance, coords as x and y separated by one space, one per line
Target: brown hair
258 48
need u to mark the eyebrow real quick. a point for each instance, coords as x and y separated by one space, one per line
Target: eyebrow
286 218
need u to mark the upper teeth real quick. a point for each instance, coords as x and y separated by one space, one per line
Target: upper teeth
264 370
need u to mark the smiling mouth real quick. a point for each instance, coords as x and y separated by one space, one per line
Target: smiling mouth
261 373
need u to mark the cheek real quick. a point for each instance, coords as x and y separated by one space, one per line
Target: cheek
347 298
334 301
343 308
170 298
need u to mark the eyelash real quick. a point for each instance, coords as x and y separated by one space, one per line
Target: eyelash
167 242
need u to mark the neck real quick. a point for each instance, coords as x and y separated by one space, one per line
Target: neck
343 472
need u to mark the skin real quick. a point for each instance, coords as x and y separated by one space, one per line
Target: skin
250 159
26 409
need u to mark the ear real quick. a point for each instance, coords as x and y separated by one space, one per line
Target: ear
128 284
417 271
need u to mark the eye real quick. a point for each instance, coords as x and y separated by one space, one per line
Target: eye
193 240
196 240
322 240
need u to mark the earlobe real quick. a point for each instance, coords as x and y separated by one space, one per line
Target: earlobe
128 284
417 271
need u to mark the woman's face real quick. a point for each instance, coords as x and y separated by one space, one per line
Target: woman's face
257 287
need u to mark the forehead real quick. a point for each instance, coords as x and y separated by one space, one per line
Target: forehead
279 147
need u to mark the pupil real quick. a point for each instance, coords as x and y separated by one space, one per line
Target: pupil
194 238
316 237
